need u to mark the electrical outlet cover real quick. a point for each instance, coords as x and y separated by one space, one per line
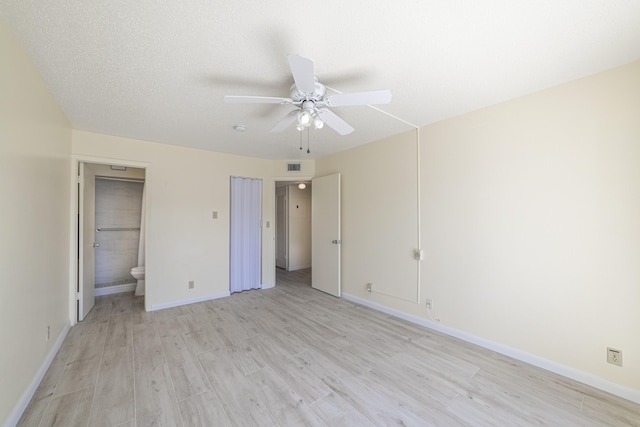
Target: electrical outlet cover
614 356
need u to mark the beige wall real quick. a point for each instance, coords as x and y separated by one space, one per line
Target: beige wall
184 187
35 146
530 218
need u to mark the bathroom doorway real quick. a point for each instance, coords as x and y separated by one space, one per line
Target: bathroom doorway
111 232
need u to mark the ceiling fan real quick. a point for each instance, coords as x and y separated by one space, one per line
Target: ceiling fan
308 95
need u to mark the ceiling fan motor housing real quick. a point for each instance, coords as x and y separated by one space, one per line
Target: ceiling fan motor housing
299 96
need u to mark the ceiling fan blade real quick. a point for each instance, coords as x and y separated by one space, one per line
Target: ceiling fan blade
359 98
284 123
334 122
233 99
303 73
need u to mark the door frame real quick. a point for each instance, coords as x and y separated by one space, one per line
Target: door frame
76 159
274 180
86 236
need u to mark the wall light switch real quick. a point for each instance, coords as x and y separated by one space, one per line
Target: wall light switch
268 224
214 215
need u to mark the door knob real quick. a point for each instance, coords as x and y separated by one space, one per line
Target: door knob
96 245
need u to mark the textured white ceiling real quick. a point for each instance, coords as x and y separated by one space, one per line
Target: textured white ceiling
158 70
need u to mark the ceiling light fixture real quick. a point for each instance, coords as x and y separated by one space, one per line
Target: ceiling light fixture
304 118
302 186
317 122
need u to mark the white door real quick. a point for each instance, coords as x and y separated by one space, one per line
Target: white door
282 241
325 234
245 247
87 220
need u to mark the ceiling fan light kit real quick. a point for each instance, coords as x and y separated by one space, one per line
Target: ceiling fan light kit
309 96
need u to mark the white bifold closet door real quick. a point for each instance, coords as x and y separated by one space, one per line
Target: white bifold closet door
245 234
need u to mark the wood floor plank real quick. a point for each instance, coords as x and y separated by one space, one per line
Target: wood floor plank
420 402
487 391
230 325
334 411
300 379
350 361
192 322
147 347
138 314
113 402
475 412
245 357
53 376
123 303
119 331
34 411
69 410
204 410
376 408
99 313
156 401
238 397
186 373
205 339
91 343
79 374
608 410
282 402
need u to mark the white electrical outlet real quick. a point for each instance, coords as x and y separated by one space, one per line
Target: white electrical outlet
191 284
429 303
614 356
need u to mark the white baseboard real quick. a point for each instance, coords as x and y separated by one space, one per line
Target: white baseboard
299 267
178 303
118 289
566 371
28 394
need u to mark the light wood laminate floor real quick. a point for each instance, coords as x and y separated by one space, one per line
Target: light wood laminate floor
293 356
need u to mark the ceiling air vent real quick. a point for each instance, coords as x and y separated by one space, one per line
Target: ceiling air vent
293 167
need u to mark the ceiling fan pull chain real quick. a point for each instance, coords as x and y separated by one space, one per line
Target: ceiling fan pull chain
308 151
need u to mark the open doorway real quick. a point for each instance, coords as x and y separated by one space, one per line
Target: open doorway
323 222
110 218
293 226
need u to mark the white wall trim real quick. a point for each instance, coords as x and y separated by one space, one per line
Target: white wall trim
549 365
20 407
118 289
178 303
299 267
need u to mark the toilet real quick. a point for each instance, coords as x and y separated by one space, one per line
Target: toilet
138 274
